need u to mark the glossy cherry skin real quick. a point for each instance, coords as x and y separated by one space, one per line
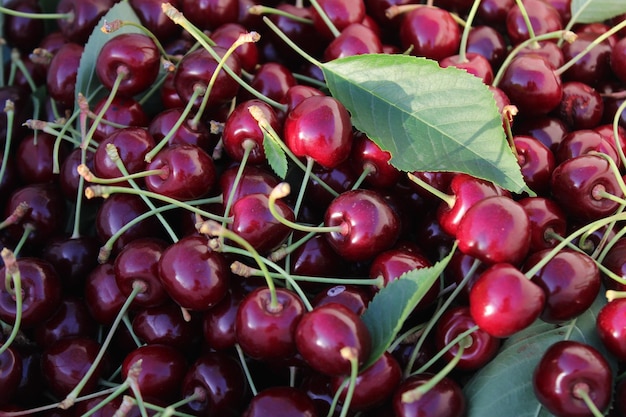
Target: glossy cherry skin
536 162
354 297
550 51
340 179
488 42
355 39
594 67
241 126
341 13
543 18
569 365
618 60
503 301
69 177
319 128
163 123
165 325
218 322
188 172
65 363
10 374
585 141
324 331
162 370
41 293
474 64
152 17
35 158
221 379
575 183
73 259
125 111
138 263
253 221
276 401
253 180
71 319
272 80
571 281
102 295
192 274
547 130
210 14
445 399
545 216
611 328
532 85
431 31
366 154
62 72
494 230
87 13
21 32
196 69
266 332
370 224
581 106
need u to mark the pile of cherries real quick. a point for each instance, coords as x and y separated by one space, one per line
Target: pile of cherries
202 232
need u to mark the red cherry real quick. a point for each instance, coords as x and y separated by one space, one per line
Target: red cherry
431 32
275 401
445 399
340 12
611 327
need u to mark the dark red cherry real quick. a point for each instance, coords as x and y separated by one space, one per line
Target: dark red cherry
73 258
532 85
138 263
253 220
369 224
210 14
10 374
265 331
220 378
550 51
367 155
543 18
445 399
340 178
547 130
297 93
152 17
614 261
545 217
355 39
577 182
162 370
225 35
581 106
272 80
503 301
62 72
494 12
536 162
124 111
566 368
355 297
102 295
64 364
35 158
324 331
489 43
618 60
71 319
253 180
431 32
218 322
193 275
69 177
594 67
585 141
87 13
571 281
340 13
277 400
611 328
166 325
164 122
462 268
482 348
136 56
474 64
21 32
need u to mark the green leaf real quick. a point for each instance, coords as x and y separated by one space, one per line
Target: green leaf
504 386
275 156
87 81
590 11
388 310
429 118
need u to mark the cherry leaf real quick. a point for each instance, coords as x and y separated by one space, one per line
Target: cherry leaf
589 11
87 81
504 386
429 118
391 306
275 156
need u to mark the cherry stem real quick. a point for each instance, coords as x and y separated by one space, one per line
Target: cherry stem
559 34
349 353
417 393
14 277
283 251
17 215
508 113
178 18
432 361
282 190
322 13
9 110
16 61
446 198
51 16
291 43
396 10
248 146
589 47
138 287
246 370
581 391
132 378
28 228
116 393
258 10
89 176
466 31
614 295
212 228
527 22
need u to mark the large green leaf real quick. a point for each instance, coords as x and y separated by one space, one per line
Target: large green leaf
388 310
429 118
589 11
504 386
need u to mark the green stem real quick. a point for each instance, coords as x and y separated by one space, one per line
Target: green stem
350 354
322 13
9 110
12 275
48 16
466 31
291 43
527 22
258 10
246 370
446 198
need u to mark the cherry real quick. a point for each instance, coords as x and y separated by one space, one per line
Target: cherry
272 80
494 13
431 32
317 258
610 327
545 217
355 39
253 180
340 178
445 399
581 106
163 123
352 296
210 14
474 63
531 83
568 371
73 258
547 130
543 18
594 67
22 32
324 331
124 111
582 142
62 72
193 275
152 17
218 322
577 182
196 69
503 301
35 158
265 332
370 224
102 295
65 362
138 261
459 269
253 221
86 13
374 385
162 370
221 381
340 13
618 59
571 281
280 401
71 319
550 51
165 325
10 374
536 162
489 43
225 35
367 155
